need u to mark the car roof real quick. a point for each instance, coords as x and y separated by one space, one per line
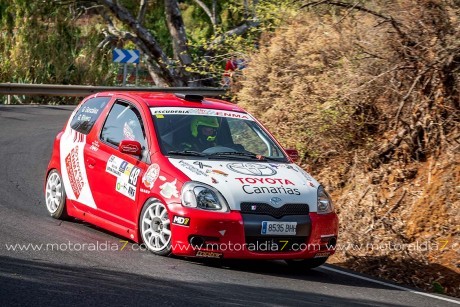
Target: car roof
159 99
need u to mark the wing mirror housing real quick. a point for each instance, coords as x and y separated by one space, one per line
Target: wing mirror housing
130 147
293 154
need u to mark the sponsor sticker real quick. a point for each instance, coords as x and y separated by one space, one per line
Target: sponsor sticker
78 137
74 171
217 172
322 255
127 176
125 188
249 189
181 220
117 167
151 175
94 146
144 191
199 111
251 169
262 180
263 185
193 169
206 254
90 110
169 189
128 132
201 165
130 148
304 173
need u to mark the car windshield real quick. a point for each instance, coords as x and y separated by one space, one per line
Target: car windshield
213 134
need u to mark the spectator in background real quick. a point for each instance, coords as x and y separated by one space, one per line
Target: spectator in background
230 67
241 64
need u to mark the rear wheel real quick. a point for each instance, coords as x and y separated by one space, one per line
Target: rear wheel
155 228
306 264
55 197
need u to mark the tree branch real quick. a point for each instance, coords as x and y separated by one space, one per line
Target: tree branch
396 24
142 10
211 15
177 30
142 36
240 30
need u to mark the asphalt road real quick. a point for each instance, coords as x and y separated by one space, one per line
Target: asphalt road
117 275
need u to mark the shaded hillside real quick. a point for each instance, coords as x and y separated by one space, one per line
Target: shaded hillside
370 97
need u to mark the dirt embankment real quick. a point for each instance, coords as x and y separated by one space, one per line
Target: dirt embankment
400 222
369 94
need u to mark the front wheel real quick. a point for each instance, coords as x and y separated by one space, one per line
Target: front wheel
55 197
306 264
155 228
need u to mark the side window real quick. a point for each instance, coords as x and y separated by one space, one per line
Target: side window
87 115
124 122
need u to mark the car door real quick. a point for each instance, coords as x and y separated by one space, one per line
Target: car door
115 176
73 144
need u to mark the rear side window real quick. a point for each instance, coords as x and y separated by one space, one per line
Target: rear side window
87 115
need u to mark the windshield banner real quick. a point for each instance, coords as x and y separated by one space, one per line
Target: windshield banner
198 111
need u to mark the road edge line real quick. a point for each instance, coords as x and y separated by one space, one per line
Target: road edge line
389 285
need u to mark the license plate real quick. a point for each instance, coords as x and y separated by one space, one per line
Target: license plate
278 228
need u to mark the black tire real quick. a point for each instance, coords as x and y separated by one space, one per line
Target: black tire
306 264
158 223
55 196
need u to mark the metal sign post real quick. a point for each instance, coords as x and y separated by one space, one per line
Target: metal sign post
125 73
126 56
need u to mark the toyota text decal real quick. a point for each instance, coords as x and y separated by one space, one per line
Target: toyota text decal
251 169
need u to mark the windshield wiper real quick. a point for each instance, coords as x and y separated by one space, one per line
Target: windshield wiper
252 156
186 153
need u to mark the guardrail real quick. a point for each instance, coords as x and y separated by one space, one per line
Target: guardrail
85 90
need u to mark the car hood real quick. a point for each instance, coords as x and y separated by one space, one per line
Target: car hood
253 182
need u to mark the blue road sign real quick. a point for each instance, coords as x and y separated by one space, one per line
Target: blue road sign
125 56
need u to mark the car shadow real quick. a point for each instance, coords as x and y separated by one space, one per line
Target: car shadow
40 283
280 268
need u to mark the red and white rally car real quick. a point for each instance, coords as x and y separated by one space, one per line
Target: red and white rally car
190 176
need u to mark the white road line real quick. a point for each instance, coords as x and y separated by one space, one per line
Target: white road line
389 285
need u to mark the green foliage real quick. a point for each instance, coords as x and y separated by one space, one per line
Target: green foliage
43 44
210 50
438 288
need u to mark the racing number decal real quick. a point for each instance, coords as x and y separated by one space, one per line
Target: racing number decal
134 175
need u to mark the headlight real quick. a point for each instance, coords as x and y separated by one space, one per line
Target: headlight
324 201
202 196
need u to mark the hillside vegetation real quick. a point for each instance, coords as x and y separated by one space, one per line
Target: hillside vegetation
369 95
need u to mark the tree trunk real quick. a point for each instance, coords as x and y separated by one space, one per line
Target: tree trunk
178 35
150 47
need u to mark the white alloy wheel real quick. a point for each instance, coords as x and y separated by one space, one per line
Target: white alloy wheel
55 195
155 228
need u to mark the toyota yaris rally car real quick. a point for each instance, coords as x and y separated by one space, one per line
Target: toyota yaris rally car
189 176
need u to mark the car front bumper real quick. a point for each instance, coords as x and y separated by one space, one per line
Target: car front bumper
200 233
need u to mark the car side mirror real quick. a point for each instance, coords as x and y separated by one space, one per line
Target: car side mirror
130 147
293 154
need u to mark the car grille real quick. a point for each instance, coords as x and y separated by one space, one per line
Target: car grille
266 209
